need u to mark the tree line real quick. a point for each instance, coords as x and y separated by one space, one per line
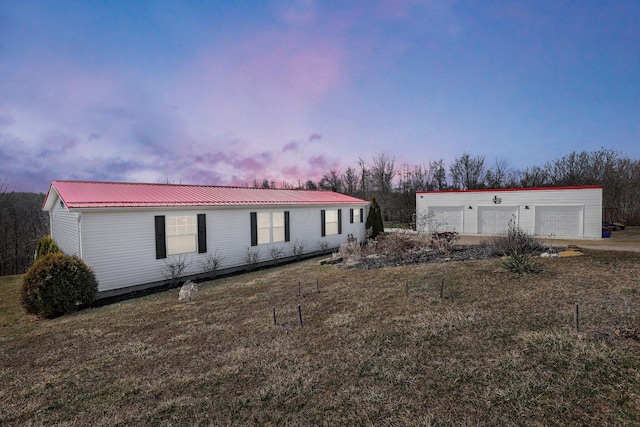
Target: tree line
22 221
394 186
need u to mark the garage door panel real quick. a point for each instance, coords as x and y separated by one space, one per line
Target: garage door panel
495 220
445 218
558 221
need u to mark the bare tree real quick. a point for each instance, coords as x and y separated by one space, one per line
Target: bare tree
383 170
364 178
534 176
438 175
499 175
467 172
331 181
421 178
350 181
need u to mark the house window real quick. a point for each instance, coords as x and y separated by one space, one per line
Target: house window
182 234
356 215
264 228
331 222
269 227
278 226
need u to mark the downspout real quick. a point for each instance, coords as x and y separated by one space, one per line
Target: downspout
80 235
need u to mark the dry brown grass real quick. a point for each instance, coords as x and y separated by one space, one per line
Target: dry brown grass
378 347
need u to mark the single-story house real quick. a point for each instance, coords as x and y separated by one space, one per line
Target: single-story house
130 234
556 212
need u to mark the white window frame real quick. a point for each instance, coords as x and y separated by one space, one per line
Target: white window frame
271 227
277 227
181 234
264 227
331 222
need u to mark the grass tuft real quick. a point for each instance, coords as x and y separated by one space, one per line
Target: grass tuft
521 263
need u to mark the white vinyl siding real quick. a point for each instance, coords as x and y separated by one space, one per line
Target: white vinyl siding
119 244
65 229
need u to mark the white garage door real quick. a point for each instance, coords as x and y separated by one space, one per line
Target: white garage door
559 221
495 220
445 218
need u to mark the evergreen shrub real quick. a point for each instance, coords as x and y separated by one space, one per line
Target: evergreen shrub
57 284
374 219
46 245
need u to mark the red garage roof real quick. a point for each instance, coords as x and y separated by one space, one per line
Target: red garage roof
88 194
493 190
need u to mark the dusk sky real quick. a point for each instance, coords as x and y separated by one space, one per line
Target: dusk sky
225 92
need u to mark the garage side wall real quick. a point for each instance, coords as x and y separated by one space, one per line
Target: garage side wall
552 212
64 229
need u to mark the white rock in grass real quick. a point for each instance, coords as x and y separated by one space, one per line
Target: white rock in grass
187 291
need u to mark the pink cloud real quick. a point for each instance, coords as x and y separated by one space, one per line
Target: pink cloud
272 67
319 162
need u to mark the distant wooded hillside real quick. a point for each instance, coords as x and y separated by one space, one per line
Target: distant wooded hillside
22 223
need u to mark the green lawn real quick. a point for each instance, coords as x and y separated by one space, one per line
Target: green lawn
378 347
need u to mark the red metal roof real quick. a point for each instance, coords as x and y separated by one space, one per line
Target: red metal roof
89 194
492 190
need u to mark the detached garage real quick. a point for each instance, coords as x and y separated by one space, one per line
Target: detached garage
562 212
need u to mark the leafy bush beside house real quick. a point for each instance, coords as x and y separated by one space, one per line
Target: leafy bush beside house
57 284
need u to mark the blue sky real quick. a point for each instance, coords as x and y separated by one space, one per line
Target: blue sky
222 92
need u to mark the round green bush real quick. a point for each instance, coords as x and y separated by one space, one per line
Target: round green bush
57 284
46 245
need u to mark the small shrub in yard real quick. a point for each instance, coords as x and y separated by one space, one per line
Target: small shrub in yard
520 263
46 245
212 263
251 259
515 240
174 269
57 284
443 242
298 249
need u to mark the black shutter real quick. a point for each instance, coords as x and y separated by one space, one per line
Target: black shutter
351 216
254 228
287 233
323 231
161 244
339 221
361 215
202 233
